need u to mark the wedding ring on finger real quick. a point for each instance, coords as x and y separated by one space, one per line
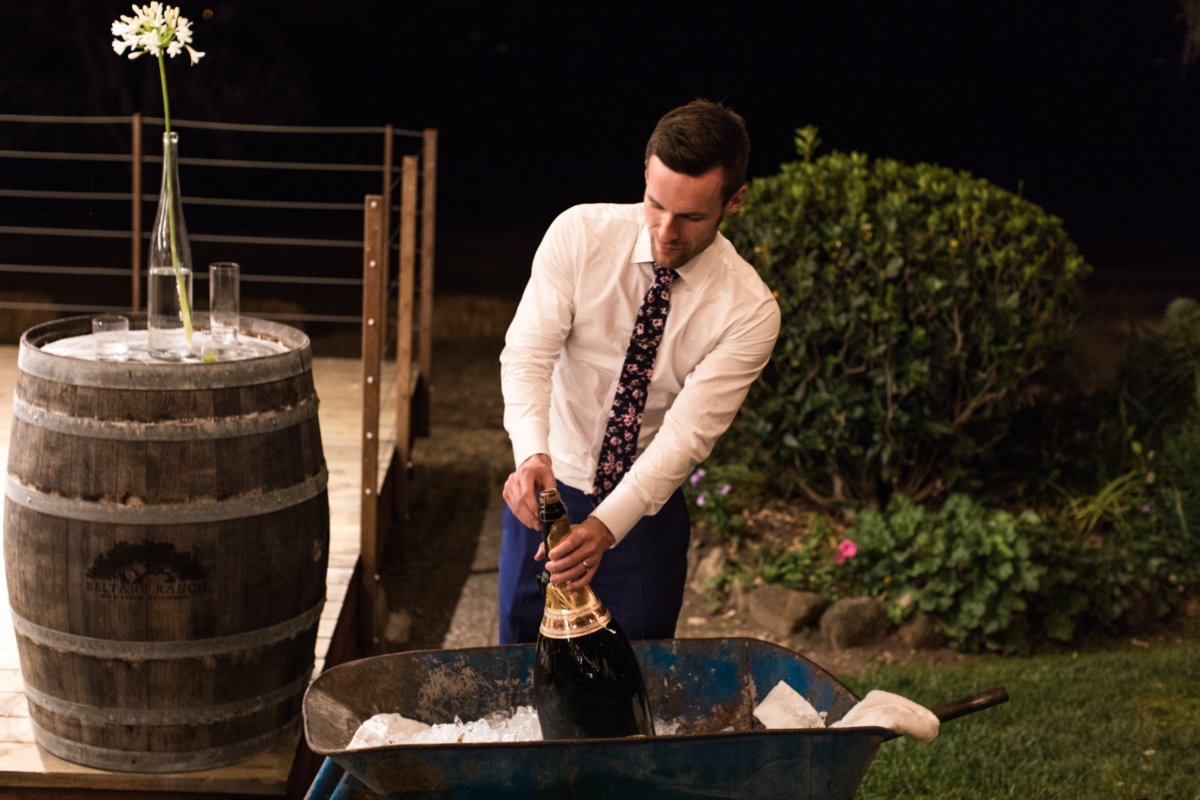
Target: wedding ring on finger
586 568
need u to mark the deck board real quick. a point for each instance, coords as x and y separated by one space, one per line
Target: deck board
24 764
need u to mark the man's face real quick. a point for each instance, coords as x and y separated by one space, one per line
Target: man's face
683 212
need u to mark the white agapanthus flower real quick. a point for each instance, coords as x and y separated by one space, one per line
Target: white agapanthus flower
157 29
154 29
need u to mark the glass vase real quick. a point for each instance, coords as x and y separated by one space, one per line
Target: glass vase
169 267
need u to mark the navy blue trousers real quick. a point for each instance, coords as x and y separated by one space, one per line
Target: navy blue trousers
640 580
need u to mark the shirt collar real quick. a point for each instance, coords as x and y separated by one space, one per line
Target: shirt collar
641 248
692 272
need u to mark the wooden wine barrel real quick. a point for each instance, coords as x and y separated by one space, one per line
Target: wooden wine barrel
166 535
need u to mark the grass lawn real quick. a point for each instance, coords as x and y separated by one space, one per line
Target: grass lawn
1113 725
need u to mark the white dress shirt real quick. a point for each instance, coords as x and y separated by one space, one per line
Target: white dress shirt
565 347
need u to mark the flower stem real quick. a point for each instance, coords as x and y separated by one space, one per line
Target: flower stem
172 223
162 77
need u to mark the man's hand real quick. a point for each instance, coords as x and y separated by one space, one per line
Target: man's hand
575 559
522 488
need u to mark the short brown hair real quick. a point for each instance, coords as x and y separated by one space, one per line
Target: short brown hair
696 137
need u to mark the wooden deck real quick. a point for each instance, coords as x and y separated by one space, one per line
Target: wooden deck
25 765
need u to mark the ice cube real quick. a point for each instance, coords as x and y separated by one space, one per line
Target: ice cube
515 725
524 726
664 728
385 729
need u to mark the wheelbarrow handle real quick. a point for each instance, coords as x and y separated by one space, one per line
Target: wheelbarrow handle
971 704
326 781
334 783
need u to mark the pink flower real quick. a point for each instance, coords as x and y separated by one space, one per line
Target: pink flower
725 489
846 549
697 476
702 499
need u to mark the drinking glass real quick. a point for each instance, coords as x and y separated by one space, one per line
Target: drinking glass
223 304
110 334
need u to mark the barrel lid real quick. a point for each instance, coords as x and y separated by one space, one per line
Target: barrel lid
33 360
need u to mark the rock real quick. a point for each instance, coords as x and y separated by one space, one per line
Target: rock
853 622
712 565
737 597
1140 614
923 632
1191 608
782 611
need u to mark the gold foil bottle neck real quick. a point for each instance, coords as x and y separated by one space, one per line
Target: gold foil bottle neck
572 613
568 612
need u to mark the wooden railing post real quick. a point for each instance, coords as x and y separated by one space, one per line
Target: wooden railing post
136 221
374 285
386 234
404 327
428 230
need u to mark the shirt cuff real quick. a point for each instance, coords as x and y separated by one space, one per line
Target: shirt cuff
619 512
529 438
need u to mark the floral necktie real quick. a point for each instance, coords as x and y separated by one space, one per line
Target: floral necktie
619 447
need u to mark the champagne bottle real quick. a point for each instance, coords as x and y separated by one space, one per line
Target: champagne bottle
586 679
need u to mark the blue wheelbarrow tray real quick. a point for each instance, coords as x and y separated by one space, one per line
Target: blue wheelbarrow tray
708 686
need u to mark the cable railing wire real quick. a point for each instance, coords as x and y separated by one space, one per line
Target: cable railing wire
38 269
60 120
117 272
42 155
230 202
74 156
304 166
75 308
199 124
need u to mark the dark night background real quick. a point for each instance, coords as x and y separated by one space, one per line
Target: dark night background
1086 107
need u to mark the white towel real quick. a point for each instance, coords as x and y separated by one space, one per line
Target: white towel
881 709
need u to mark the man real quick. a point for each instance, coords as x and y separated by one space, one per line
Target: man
575 380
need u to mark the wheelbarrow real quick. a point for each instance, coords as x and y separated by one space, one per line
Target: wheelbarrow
708 686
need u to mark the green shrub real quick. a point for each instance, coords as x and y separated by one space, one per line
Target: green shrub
1138 546
1133 568
1160 535
1119 560
970 566
1177 499
717 494
1106 563
1159 401
918 303
818 561
1159 380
